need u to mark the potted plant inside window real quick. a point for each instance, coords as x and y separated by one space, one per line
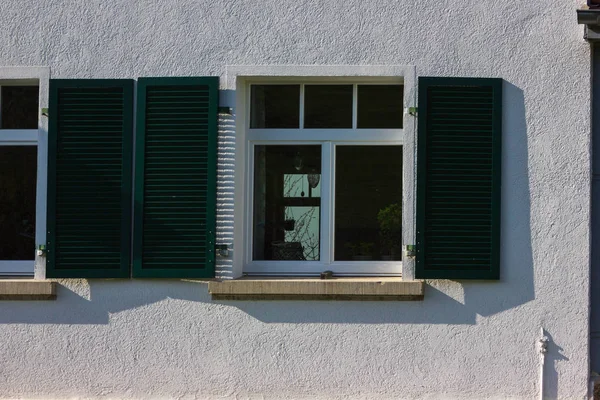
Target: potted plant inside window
390 231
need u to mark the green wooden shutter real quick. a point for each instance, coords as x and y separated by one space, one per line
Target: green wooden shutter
458 178
89 178
175 177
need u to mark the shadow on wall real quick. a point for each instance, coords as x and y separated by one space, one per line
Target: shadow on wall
93 301
446 302
550 373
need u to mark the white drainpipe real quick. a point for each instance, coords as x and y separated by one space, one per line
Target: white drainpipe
543 348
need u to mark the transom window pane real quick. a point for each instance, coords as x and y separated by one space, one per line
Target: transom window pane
287 202
368 203
18 171
328 106
275 106
380 106
19 107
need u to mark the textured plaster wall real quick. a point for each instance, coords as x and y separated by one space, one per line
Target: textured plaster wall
167 339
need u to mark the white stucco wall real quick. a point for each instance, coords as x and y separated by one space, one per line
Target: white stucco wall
167 339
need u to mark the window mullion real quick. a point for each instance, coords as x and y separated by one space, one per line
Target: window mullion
18 137
249 204
327 185
301 122
354 106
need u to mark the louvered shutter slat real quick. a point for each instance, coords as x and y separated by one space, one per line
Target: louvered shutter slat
89 178
175 177
458 178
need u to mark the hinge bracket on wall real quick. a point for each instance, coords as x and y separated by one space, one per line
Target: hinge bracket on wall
45 112
41 250
410 250
413 111
222 250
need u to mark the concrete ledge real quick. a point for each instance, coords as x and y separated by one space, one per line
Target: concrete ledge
27 289
378 289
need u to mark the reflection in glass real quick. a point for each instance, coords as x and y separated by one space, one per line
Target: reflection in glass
18 171
287 204
368 203
328 106
380 106
275 106
19 107
300 185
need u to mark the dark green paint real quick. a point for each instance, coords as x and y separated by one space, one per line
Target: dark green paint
458 178
176 155
84 203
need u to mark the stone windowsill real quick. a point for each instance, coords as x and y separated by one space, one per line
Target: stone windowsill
27 289
263 288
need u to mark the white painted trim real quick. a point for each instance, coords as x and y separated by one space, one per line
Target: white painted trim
20 74
248 238
239 77
374 267
342 268
301 113
249 212
41 77
241 168
18 137
316 73
16 267
354 106
327 220
409 155
322 135
327 204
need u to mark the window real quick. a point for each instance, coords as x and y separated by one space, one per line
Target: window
445 205
325 177
19 169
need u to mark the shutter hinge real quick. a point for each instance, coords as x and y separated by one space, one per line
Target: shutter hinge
413 111
410 250
44 112
41 250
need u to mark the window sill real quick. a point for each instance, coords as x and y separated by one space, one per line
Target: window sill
372 289
27 289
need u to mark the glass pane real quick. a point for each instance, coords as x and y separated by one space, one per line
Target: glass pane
19 107
287 202
368 203
295 185
380 106
328 106
18 171
275 106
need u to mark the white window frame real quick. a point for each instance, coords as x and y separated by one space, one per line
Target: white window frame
240 78
30 76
